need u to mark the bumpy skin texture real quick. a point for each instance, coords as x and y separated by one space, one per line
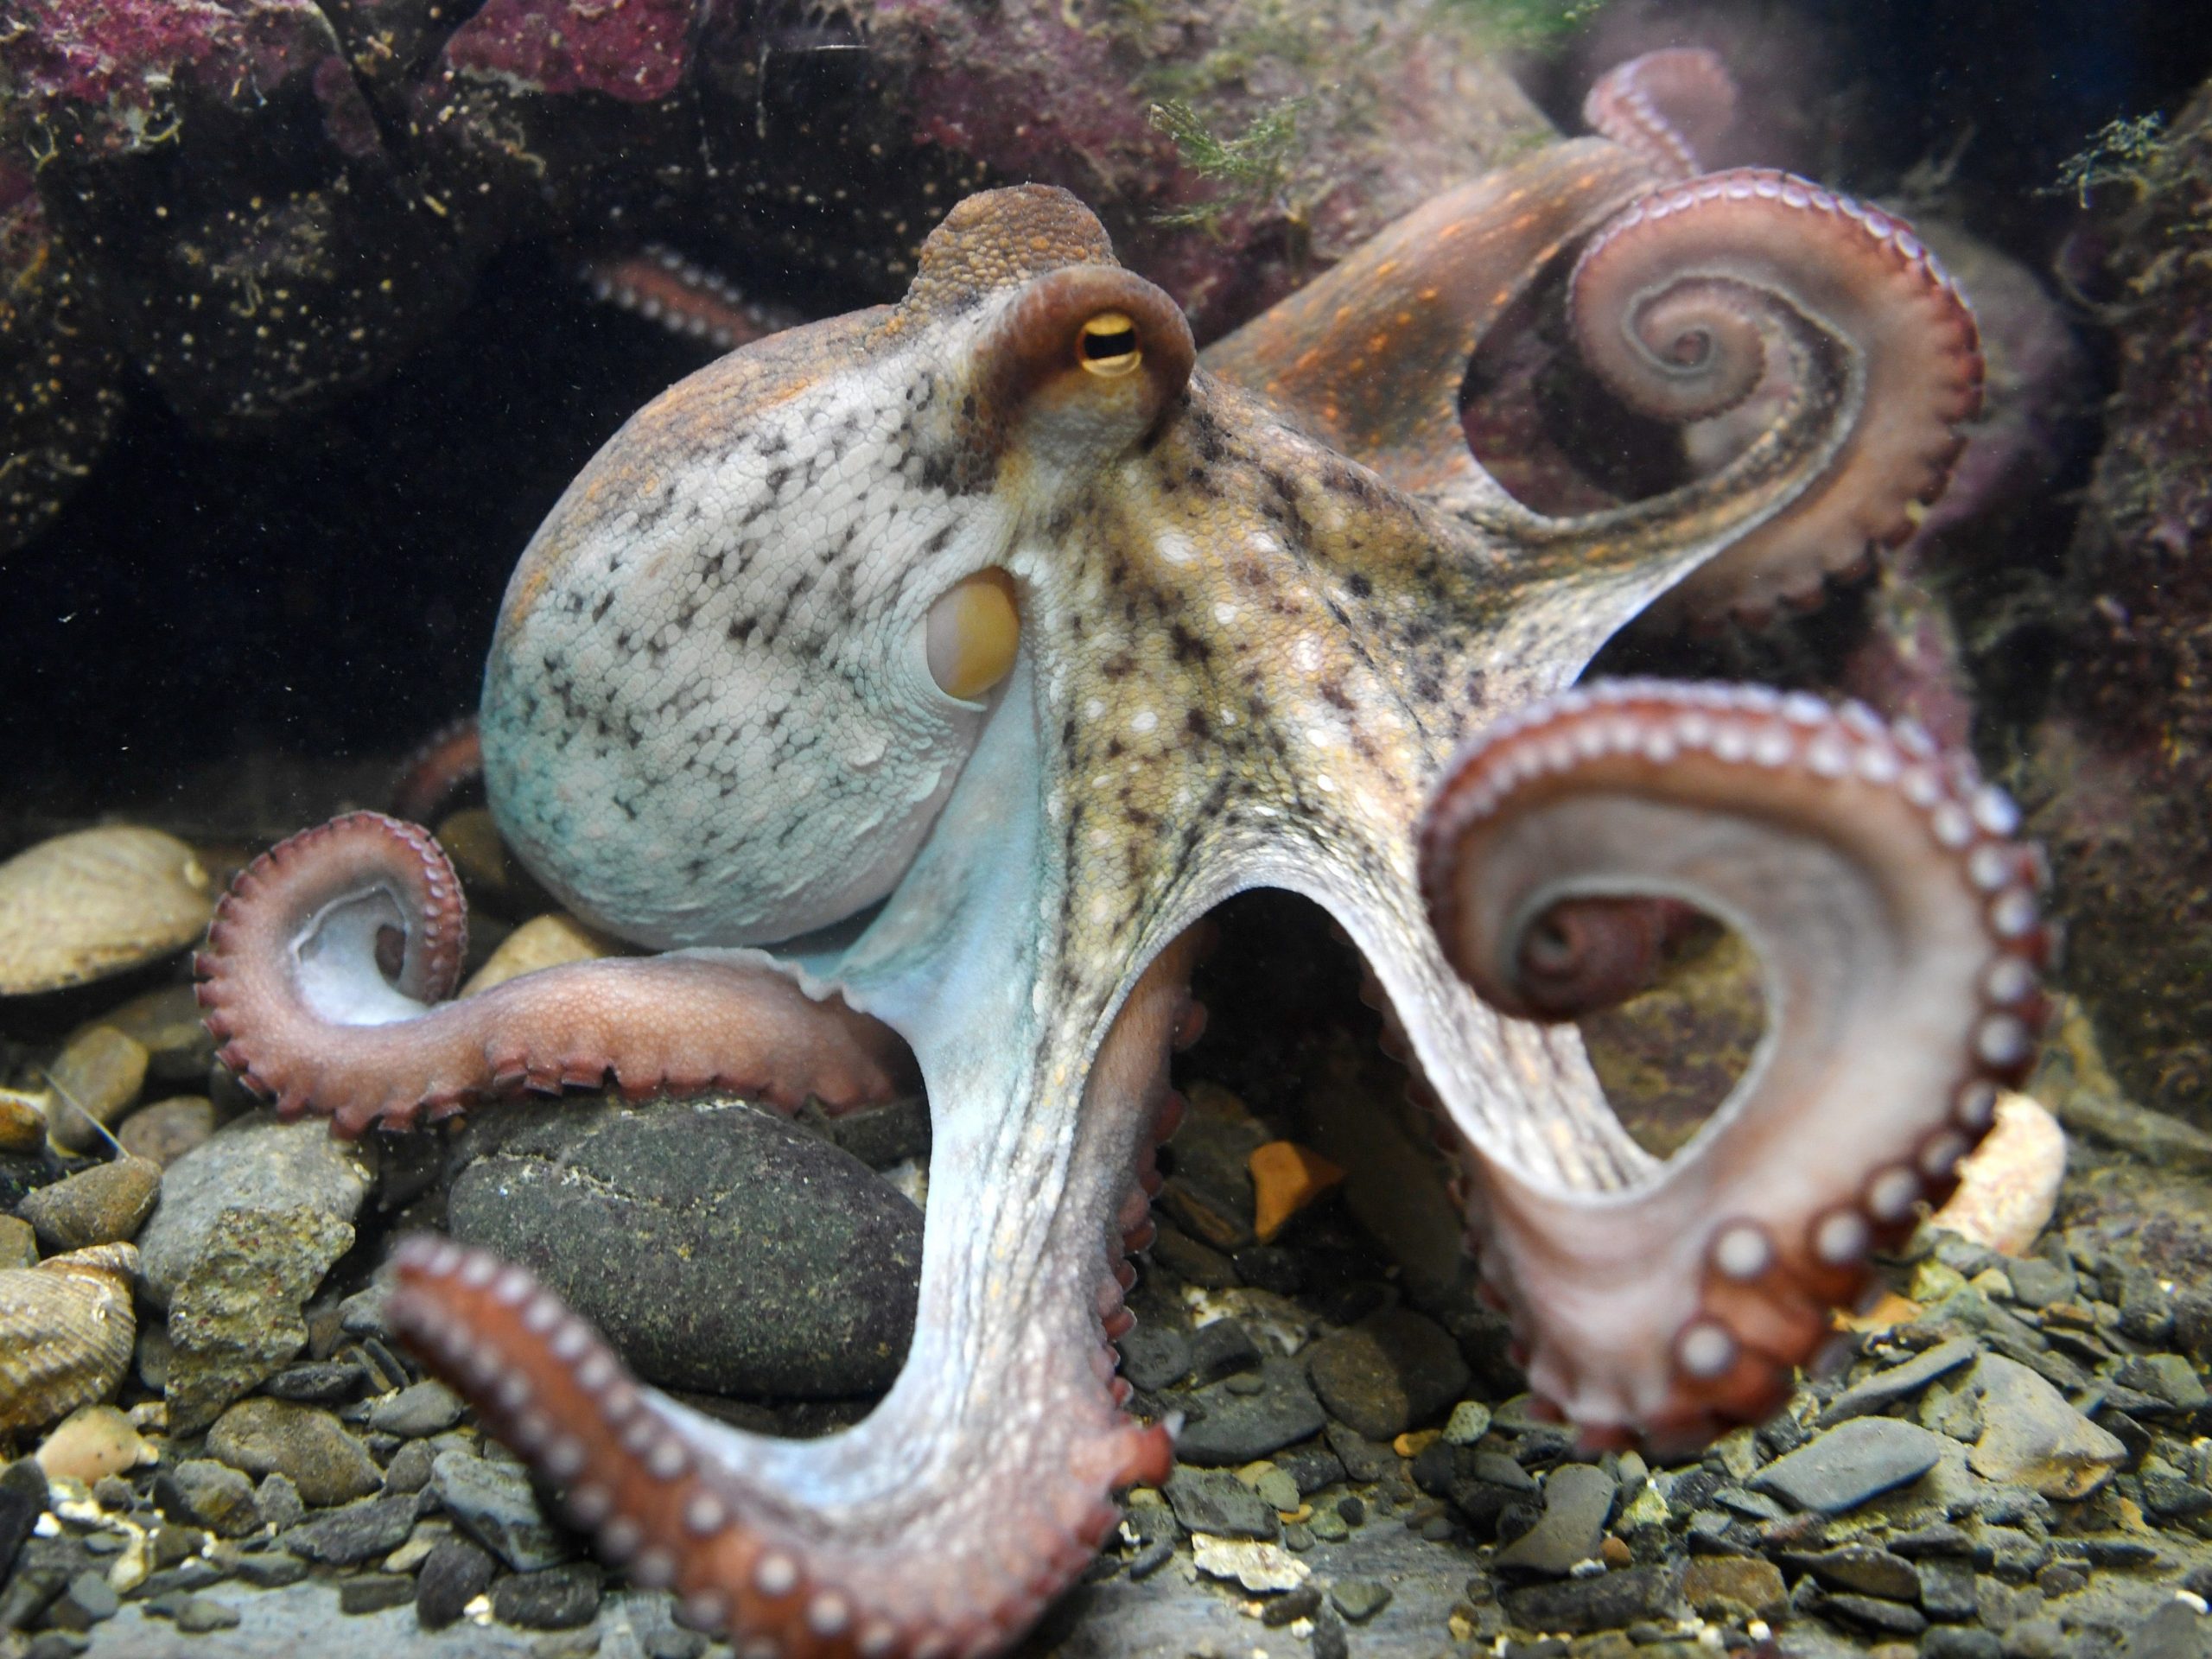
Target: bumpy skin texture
1246 658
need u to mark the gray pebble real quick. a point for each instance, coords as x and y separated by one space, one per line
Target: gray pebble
1238 1427
1391 1370
1898 1381
200 1614
357 1532
373 1592
493 1501
453 1573
552 1598
1215 1501
1847 1464
1360 1600
1577 1499
421 1409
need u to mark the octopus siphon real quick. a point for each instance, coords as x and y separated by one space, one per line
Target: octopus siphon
914 681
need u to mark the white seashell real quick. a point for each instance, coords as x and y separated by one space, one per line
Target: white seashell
97 902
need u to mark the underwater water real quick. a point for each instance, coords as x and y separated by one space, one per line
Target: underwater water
1075 665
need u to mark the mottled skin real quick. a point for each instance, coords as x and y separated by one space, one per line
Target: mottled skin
1246 656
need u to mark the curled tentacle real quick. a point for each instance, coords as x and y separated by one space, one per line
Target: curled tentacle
660 285
447 761
328 961
1897 922
1666 105
1674 302
999 1445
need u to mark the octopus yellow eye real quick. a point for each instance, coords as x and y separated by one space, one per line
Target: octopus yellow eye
972 633
1108 345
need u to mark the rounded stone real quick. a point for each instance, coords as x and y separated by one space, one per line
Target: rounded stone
719 1248
264 1436
163 1132
1392 1370
105 1204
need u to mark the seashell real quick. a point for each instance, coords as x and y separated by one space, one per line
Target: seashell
2008 1185
67 1327
97 902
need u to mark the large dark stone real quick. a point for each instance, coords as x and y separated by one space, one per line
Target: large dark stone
719 1248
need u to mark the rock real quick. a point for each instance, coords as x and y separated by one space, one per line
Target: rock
551 1599
2031 1435
1154 1354
1363 1460
1209 1192
1846 1465
420 1410
82 906
1258 1566
1597 1601
546 941
1214 1501
454 1574
18 1244
1392 1370
199 1615
1898 1381
372 1594
1237 1428
1187 1259
1577 1499
165 1021
1222 1348
1469 1422
355 1533
235 1318
2175 1630
2167 1377
209 1494
303 1443
1360 1600
23 1498
319 1382
1716 1586
86 1601
105 1204
1285 1178
1951 1643
1862 1567
1872 1613
253 1164
278 1500
97 1075
91 1442
163 1132
493 1503
410 1468
22 1122
719 1246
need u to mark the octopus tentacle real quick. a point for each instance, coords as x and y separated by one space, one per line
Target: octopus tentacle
1672 303
660 285
1666 106
1370 355
293 984
1000 1443
443 764
1898 924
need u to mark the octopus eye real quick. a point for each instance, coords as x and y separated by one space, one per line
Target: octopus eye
1107 345
972 633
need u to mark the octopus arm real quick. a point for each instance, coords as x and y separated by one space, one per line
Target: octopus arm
1897 924
292 983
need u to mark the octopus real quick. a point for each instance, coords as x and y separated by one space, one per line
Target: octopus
915 682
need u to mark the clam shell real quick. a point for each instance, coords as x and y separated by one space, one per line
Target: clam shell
98 902
66 1333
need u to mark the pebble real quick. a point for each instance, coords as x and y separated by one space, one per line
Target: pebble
2032 1437
105 1204
18 1243
718 1246
550 1598
1230 1426
1577 1499
355 1533
1469 1422
22 1122
93 1442
1846 1465
1221 1349
236 1318
304 1443
163 1132
373 1593
1285 1178
1717 1586
1214 1501
1863 1567
86 1600
1597 1601
1391 1370
166 1022
453 1574
1359 1600
1898 1381
410 1468
206 1493
199 1615
493 1503
272 1570
98 1075
1258 1566
318 1382
420 1410
1950 1643
2168 1377
23 1498
1154 1354
1363 1460
547 941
